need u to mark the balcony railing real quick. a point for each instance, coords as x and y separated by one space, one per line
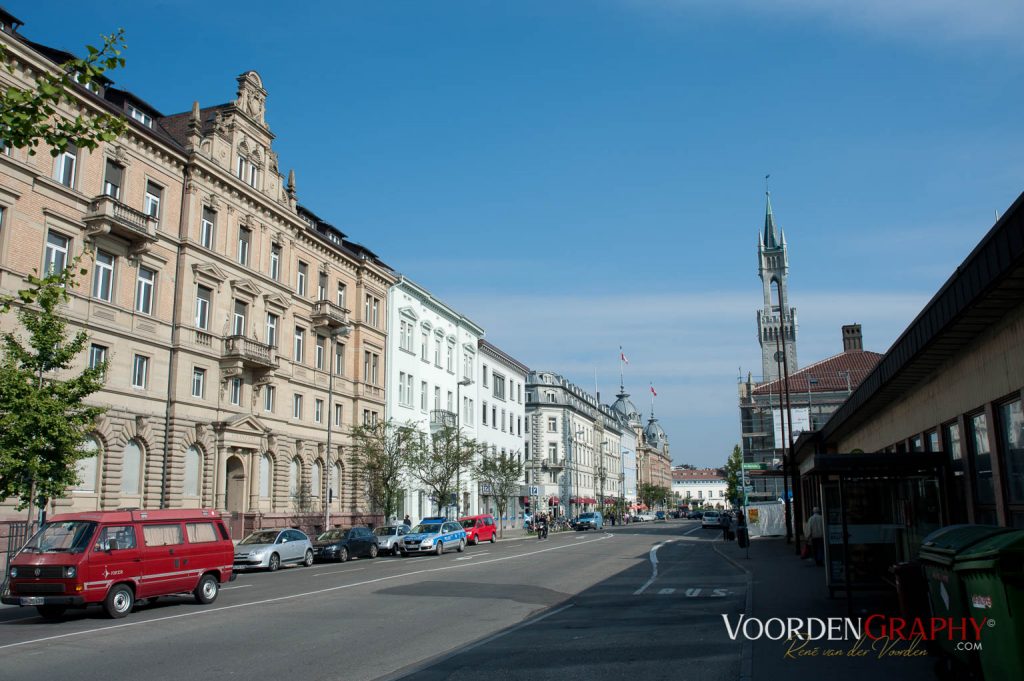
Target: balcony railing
107 215
252 353
326 313
442 418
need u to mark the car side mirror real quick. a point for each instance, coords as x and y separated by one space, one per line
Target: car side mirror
112 545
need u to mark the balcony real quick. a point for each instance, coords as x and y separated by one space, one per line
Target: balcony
442 418
249 354
107 215
326 313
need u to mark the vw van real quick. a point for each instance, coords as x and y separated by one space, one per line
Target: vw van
115 558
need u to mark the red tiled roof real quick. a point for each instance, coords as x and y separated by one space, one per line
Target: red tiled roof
699 474
830 374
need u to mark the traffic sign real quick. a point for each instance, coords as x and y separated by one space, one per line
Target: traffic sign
754 466
534 491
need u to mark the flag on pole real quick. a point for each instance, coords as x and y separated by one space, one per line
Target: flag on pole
653 392
622 356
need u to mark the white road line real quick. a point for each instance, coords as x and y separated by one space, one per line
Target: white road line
653 555
689 532
289 597
334 572
666 592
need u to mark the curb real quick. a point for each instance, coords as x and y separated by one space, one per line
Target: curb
747 649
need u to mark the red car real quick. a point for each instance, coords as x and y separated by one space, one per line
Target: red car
479 528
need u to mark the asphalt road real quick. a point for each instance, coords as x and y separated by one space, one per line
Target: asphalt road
583 605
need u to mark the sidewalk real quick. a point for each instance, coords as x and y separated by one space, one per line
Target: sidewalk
782 585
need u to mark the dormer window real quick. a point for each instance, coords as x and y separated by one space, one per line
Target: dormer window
140 116
247 171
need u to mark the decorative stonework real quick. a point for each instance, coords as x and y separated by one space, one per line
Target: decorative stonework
252 98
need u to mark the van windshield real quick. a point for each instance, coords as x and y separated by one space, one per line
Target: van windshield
68 537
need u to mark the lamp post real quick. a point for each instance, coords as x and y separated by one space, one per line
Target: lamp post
466 381
340 332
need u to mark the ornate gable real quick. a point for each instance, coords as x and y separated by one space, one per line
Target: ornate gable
210 272
276 300
246 286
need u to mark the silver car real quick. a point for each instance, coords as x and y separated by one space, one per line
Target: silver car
270 549
389 537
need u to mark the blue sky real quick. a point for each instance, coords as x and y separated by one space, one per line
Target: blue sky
576 176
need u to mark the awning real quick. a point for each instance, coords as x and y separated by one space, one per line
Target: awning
608 501
590 500
554 500
638 507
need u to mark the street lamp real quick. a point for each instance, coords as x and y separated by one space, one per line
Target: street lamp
340 332
466 381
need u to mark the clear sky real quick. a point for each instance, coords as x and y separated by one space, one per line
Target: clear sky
575 176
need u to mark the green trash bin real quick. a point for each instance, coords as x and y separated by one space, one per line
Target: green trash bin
992 572
939 552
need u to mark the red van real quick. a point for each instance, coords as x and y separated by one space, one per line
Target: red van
117 557
479 528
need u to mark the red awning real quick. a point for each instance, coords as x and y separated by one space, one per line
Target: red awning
638 507
575 500
554 500
590 500
609 501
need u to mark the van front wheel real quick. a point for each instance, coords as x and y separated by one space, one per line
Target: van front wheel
119 601
206 590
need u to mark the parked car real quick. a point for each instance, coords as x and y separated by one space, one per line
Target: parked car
434 535
695 515
389 537
270 549
341 544
115 557
646 516
659 515
479 528
592 520
711 519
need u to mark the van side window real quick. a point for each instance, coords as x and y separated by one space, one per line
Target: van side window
200 532
123 534
162 535
488 521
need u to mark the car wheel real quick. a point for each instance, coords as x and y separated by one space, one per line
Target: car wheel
373 550
119 601
309 558
343 554
275 563
51 612
462 546
493 538
439 549
206 591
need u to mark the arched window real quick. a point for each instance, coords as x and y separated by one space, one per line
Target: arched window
193 471
336 480
294 477
131 468
318 475
87 466
775 295
266 483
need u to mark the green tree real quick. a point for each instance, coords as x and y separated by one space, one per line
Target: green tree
733 475
43 416
436 462
28 116
503 474
381 453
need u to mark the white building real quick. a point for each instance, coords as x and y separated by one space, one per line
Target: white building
630 423
432 365
703 487
501 382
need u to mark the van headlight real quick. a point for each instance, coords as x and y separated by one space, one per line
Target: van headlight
70 572
14 572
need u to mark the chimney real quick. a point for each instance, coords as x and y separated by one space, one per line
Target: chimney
852 339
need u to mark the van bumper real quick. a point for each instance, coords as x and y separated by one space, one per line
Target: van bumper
44 600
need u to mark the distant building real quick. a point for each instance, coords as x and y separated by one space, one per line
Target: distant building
701 486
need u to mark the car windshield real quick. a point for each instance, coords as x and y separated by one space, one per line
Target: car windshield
388 531
264 537
709 514
427 528
331 535
468 522
67 537
587 516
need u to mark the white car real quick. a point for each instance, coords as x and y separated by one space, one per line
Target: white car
711 519
645 517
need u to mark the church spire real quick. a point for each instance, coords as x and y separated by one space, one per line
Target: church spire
770 238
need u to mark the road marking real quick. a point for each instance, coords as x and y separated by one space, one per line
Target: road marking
653 555
240 586
689 532
666 592
289 597
334 572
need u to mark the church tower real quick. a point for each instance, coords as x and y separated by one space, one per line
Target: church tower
776 323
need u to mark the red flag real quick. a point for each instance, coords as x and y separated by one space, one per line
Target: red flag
622 356
653 392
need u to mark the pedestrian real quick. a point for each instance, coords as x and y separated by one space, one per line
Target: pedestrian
814 529
407 521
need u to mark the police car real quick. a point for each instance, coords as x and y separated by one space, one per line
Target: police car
434 535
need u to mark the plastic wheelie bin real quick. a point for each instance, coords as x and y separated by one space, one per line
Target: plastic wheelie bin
992 572
946 596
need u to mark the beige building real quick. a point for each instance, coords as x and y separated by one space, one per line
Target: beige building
221 305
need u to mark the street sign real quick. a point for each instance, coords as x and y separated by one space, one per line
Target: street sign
754 466
534 491
748 488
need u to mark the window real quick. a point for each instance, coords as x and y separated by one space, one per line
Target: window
371 311
338 412
64 168
405 335
552 452
341 295
269 393
266 466
423 395
339 358
113 178
275 262
437 397
402 397
437 352
131 468
140 116
203 295
86 467
199 533
236 391
502 420
499 387
247 171
272 330
244 237
207 226
151 206
193 466
552 424
408 389
241 312
467 365
140 371
450 364
300 339
144 290
321 287
300 278
162 535
485 380
321 351
451 401
297 406
103 276
984 488
97 355
316 479
1011 421
198 382
318 410
294 475
424 346
56 252
483 419
371 362
472 412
